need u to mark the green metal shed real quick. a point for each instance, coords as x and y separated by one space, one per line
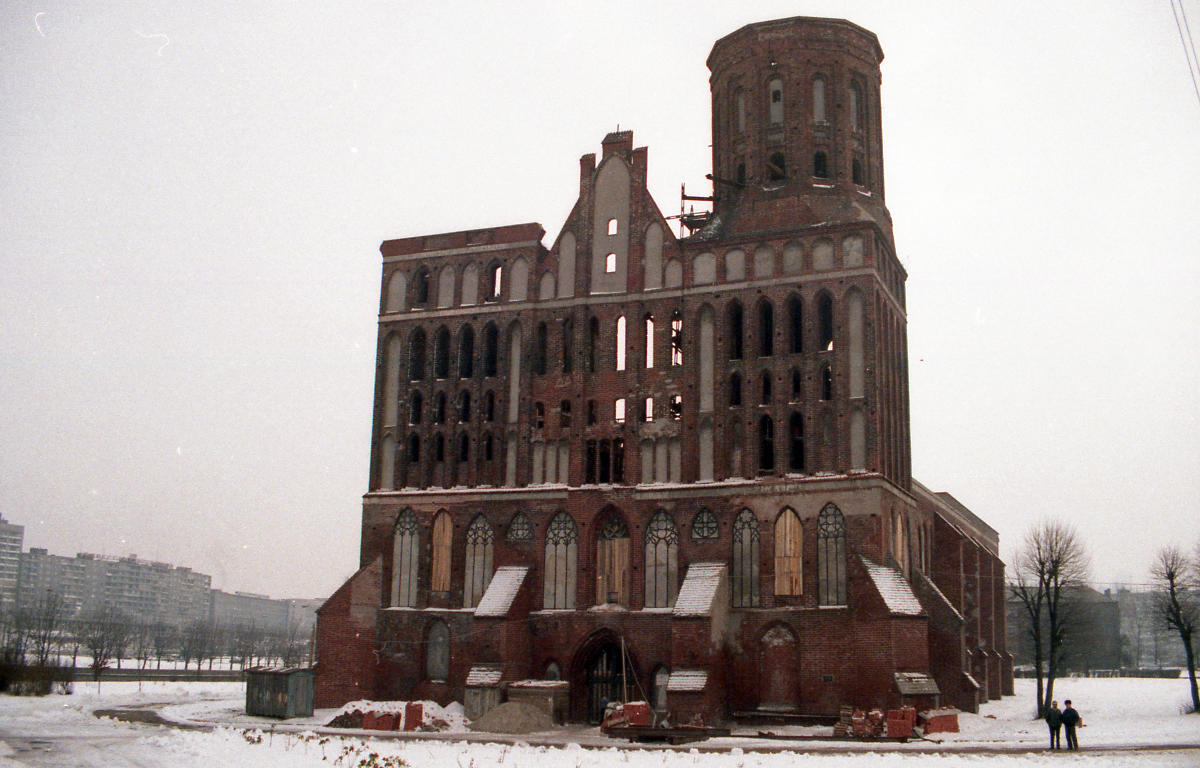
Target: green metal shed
281 692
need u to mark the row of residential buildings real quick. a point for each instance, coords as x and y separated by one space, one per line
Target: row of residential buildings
144 590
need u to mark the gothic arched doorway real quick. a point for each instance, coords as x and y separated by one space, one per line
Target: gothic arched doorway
603 679
778 675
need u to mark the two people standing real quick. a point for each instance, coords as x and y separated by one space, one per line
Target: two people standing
1057 719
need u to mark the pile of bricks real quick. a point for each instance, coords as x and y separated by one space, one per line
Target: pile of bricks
895 724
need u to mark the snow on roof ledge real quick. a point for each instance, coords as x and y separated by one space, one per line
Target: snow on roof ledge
484 675
699 589
502 590
687 680
895 591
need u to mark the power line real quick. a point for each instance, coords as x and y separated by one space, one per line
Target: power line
1189 54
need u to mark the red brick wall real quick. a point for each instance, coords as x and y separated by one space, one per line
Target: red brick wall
346 661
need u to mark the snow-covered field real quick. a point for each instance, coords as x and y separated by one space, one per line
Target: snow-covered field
60 730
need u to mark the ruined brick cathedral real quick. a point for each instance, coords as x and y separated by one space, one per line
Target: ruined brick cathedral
635 465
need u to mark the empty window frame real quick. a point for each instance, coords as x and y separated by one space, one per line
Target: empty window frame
619 410
415 402
648 410
491 349
831 556
414 448
420 288
489 406
746 542
539 350
466 352
568 345
776 167
825 322
441 353
765 398
604 461
591 413
439 448
649 325
406 553
464 447
820 165
416 355
733 327
477 572
662 561
796 384
766 445
766 329
796 443
795 324
464 407
439 408
675 407
735 389
613 226
676 338
826 381
620 343
610 263
856 172
562 544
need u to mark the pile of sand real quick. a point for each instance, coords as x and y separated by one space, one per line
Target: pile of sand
514 717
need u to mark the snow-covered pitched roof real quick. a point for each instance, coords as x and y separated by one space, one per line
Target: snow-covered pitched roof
940 595
895 591
916 684
699 589
484 674
502 590
687 680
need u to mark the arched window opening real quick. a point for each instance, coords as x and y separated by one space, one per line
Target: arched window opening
489 406
420 288
562 540
539 350
744 579
740 174
766 445
856 172
825 322
495 282
818 100
796 384
593 346
441 353
464 407
766 329
675 407
831 556
416 355
414 448
662 561
477 572
734 325
612 562
704 525
649 320
796 443
591 413
552 672
739 110
775 101
437 652
406 553
826 381
789 539
735 389
610 263
776 167
648 410
619 410
564 414
677 338
621 343
519 528
568 345
439 579
766 389
464 447
489 447
414 407
604 461
539 416
820 165
466 352
439 448
658 690
439 408
795 325
491 349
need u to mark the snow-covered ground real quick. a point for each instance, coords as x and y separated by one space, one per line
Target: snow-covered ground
61 730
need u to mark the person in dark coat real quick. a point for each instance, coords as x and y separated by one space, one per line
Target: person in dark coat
1054 720
1072 720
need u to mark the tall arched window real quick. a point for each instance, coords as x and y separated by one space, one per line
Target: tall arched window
568 346
766 444
593 343
744 580
795 324
796 443
820 165
415 402
437 652
405 557
439 408
489 406
464 452
826 381
491 349
539 350
766 329
649 322
735 389
464 406
466 352
612 562
662 561
789 538
443 529
775 101
495 282
562 541
776 167
416 355
621 343
831 556
441 353
677 338
734 328
818 99
420 288
478 569
856 172
766 388
824 322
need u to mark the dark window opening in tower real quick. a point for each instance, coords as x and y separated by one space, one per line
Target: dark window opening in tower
464 406
676 338
464 447
826 382
439 448
735 389
856 172
414 448
416 355
539 350
441 353
796 384
466 353
421 288
734 316
796 443
795 325
775 93
777 167
489 407
488 447
568 346
539 415
491 347
591 412
766 329
766 388
676 407
766 445
825 322
820 165
439 408
564 414
414 407
593 343
741 174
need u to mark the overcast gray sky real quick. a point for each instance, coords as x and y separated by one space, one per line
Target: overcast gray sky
192 196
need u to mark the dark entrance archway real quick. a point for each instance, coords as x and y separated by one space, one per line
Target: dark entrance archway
603 679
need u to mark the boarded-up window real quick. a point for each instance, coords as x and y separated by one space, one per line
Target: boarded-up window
662 561
478 561
831 556
612 562
744 579
440 572
437 652
562 539
789 539
405 556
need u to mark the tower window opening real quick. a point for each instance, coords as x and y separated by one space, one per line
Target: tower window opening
610 263
464 447
649 341
439 408
675 406
676 338
740 174
495 282
414 408
795 384
796 443
591 412
775 93
439 449
539 416
612 226
766 329
825 322
648 410
539 350
619 410
856 172
564 414
621 343
734 326
777 167
464 406
414 448
489 407
766 445
766 388
568 345
735 389
820 165
826 382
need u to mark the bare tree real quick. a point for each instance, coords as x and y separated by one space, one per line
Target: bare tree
1050 570
1177 583
45 621
105 634
165 639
